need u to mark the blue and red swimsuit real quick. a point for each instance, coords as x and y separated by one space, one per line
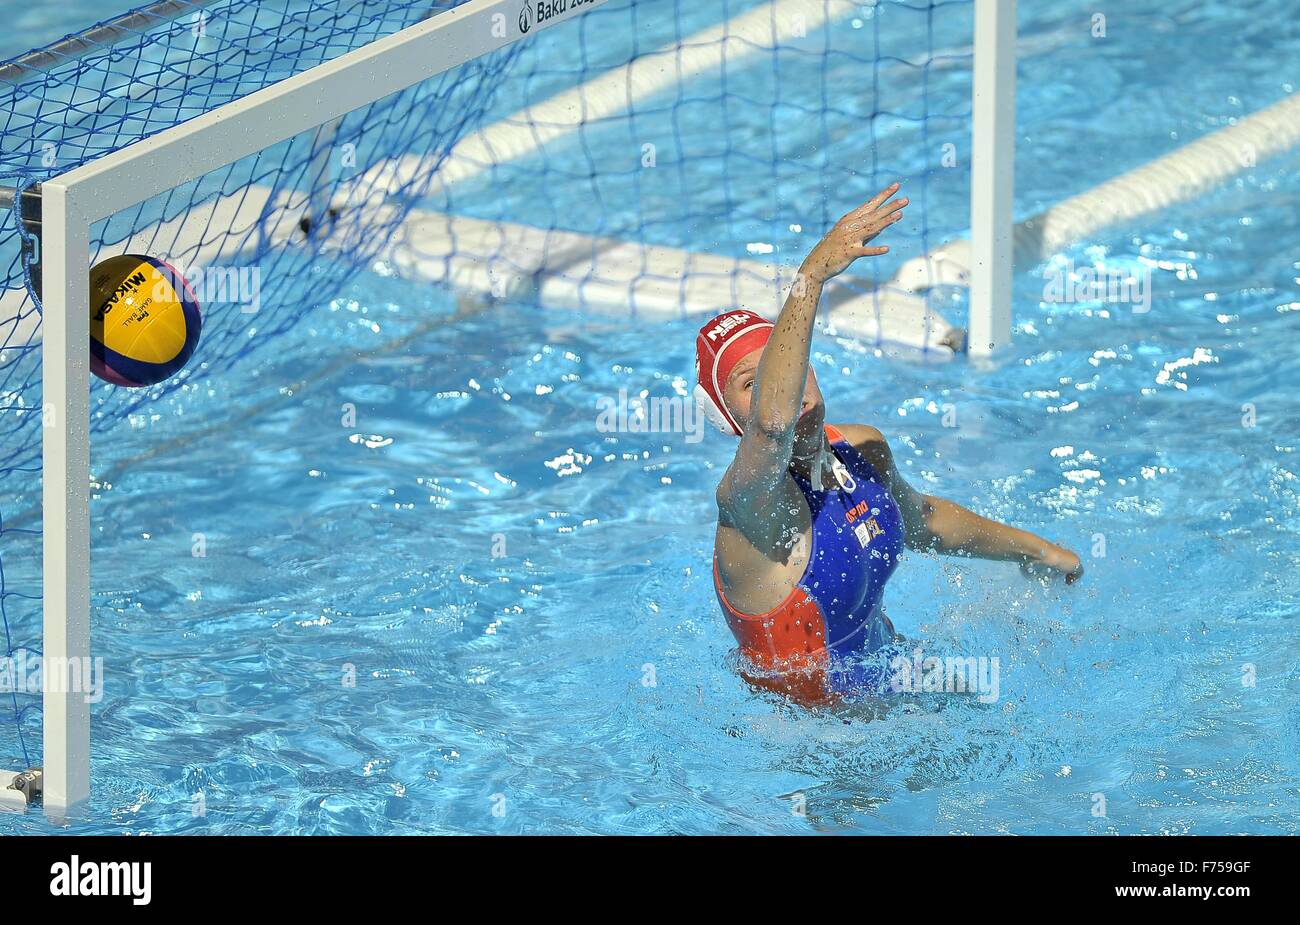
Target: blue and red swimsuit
815 646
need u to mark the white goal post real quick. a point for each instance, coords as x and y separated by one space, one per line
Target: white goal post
993 169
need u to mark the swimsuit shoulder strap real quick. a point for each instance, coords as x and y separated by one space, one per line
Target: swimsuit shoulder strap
856 462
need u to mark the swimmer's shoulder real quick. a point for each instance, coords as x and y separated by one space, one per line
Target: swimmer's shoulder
871 444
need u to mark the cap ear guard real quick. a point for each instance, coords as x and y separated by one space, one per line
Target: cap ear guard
719 345
716 415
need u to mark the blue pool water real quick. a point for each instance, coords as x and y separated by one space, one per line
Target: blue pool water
524 602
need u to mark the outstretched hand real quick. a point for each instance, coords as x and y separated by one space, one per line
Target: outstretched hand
849 239
1058 562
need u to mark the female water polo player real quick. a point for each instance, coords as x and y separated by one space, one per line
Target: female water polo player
812 517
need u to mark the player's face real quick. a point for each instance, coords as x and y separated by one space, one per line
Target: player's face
739 394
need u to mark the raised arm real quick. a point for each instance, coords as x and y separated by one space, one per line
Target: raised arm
939 525
777 385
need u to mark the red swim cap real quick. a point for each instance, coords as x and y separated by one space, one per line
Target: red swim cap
720 345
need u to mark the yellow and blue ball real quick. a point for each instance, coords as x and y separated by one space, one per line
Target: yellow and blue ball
144 320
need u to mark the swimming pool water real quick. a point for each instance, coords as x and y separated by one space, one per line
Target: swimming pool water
524 602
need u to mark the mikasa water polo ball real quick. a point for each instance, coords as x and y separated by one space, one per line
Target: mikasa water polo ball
144 320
